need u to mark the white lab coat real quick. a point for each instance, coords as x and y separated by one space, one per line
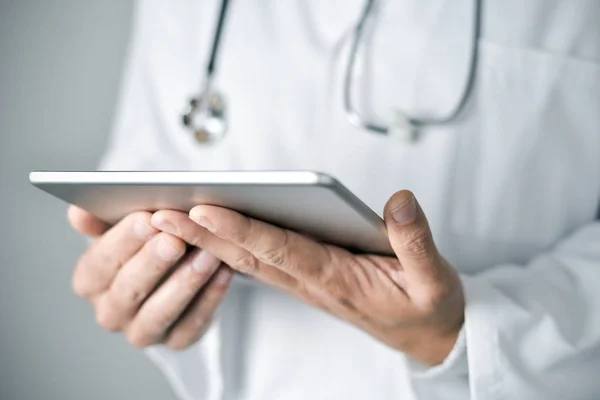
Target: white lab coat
511 189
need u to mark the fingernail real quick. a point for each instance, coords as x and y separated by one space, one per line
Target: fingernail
166 250
205 262
406 212
223 277
203 222
163 224
142 229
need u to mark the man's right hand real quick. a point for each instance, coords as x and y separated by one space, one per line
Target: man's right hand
142 282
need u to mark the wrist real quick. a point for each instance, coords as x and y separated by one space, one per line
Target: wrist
436 337
431 348
429 343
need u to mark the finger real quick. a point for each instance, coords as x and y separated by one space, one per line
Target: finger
139 276
239 259
412 240
180 225
285 250
196 319
168 302
98 266
86 223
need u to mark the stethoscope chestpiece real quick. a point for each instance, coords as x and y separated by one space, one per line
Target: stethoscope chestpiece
205 117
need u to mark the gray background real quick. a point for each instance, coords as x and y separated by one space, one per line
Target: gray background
60 65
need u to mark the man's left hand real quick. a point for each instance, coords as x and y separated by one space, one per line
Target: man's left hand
412 302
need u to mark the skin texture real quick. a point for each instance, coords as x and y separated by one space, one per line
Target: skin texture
412 302
145 283
141 282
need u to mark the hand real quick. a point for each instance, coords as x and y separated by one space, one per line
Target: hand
412 302
142 282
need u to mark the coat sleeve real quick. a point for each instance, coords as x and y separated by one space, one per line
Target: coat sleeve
531 331
194 373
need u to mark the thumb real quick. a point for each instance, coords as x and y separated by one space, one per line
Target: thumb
411 239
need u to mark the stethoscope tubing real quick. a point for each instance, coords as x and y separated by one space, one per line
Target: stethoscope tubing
409 122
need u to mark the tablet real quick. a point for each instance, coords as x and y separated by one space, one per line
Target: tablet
311 203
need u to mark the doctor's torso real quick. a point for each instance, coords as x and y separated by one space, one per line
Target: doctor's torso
514 174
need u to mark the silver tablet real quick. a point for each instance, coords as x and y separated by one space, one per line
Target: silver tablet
308 202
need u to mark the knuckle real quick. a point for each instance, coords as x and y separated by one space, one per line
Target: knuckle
127 294
280 254
81 282
346 303
107 319
241 232
246 263
236 236
159 323
329 278
80 287
92 265
197 239
418 244
140 339
276 257
336 289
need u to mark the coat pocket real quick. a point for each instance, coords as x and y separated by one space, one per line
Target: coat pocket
528 166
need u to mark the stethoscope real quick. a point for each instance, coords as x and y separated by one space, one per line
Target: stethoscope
206 114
